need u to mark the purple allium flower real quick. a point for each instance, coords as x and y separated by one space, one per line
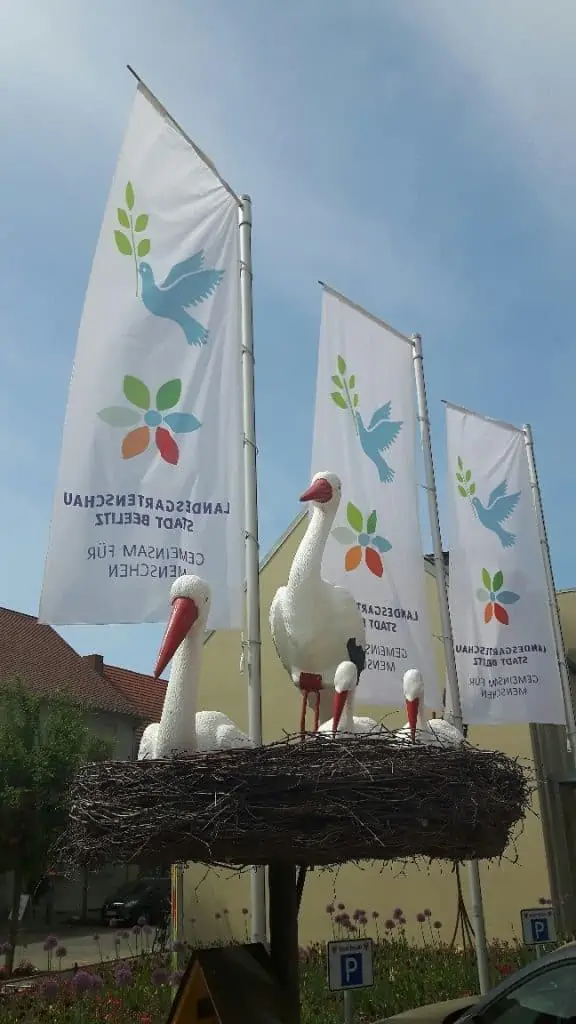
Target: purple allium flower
226 911
82 981
160 976
438 925
330 908
61 952
402 921
51 943
341 906
176 977
136 929
389 924
375 915
5 949
123 976
179 946
245 911
421 918
427 913
217 915
356 915
49 988
97 981
398 913
338 919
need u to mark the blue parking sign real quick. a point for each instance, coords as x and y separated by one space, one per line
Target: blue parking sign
350 964
538 926
351 970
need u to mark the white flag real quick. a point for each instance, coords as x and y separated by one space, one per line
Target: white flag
505 653
150 479
365 430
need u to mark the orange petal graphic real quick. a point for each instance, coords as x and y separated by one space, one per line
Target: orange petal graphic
135 442
353 558
373 561
488 612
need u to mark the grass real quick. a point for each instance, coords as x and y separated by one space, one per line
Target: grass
138 990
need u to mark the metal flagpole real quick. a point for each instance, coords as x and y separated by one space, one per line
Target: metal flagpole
251 641
476 909
552 600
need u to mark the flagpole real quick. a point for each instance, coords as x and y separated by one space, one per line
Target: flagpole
251 643
552 599
475 886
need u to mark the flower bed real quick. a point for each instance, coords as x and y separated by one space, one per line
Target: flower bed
138 990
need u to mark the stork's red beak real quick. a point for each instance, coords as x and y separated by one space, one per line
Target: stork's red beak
337 708
320 490
412 707
183 616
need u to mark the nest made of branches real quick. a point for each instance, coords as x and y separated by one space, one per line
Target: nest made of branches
320 802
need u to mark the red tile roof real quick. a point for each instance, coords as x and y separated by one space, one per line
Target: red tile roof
145 693
45 662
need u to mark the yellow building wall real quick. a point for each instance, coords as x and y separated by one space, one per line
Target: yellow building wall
216 901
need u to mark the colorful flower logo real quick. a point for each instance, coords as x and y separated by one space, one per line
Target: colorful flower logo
154 419
362 541
495 598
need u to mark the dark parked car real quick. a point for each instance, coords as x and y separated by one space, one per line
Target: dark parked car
147 897
544 992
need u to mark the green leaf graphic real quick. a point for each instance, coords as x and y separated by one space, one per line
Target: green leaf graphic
141 222
460 464
136 392
462 491
468 476
168 395
355 517
343 535
123 218
498 580
119 416
341 365
355 401
143 247
472 489
129 194
339 400
352 382
123 243
372 522
486 579
460 478
337 381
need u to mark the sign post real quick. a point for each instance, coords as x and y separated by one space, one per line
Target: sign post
350 967
538 927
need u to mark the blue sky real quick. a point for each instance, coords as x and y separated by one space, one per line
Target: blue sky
416 154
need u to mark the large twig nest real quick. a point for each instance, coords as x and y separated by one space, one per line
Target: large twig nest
321 802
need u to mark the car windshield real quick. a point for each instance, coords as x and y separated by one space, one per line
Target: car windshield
547 998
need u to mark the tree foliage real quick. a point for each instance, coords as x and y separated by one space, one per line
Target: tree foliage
42 744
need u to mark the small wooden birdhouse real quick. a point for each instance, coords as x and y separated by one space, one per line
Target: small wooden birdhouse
229 985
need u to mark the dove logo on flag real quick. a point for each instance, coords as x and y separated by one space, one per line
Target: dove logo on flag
187 284
496 511
379 434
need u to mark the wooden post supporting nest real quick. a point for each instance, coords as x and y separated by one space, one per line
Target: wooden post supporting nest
283 915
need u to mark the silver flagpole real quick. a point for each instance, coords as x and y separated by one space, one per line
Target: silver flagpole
552 600
476 909
251 642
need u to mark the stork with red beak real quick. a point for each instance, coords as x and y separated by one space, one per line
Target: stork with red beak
181 729
311 619
346 681
419 729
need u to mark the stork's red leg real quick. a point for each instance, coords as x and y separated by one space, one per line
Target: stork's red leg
303 712
317 713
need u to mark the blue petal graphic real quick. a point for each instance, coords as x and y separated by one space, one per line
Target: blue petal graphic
182 422
381 544
507 597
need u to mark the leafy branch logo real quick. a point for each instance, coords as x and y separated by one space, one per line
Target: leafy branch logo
498 508
127 244
362 542
495 598
466 486
155 418
381 431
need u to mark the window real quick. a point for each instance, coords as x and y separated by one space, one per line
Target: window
547 997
